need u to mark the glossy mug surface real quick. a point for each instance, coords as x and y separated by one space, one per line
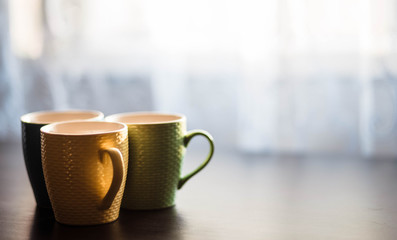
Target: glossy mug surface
85 167
31 124
157 144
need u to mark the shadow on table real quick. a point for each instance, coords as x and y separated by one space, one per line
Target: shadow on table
43 223
151 224
156 224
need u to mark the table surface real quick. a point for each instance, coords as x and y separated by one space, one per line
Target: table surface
237 196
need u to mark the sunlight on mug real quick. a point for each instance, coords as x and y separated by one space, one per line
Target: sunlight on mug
85 167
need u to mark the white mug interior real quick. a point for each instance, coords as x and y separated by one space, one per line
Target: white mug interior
47 117
83 128
145 118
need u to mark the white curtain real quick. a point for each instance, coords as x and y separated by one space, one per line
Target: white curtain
276 76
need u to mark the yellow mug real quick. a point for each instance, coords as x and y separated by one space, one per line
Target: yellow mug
85 167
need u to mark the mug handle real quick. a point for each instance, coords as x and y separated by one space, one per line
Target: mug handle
118 175
186 141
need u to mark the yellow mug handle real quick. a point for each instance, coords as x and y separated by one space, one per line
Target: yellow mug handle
118 175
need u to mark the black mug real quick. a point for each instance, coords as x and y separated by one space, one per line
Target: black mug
31 124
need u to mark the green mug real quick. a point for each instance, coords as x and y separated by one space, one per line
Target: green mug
157 144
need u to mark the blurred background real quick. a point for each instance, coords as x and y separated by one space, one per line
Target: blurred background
273 77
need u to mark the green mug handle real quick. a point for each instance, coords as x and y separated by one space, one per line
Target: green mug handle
186 141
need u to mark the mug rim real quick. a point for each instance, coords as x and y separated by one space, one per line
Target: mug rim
116 117
26 118
47 128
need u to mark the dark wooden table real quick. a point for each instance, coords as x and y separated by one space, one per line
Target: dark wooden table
237 197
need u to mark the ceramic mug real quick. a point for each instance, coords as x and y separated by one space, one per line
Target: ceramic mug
31 124
157 144
85 167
